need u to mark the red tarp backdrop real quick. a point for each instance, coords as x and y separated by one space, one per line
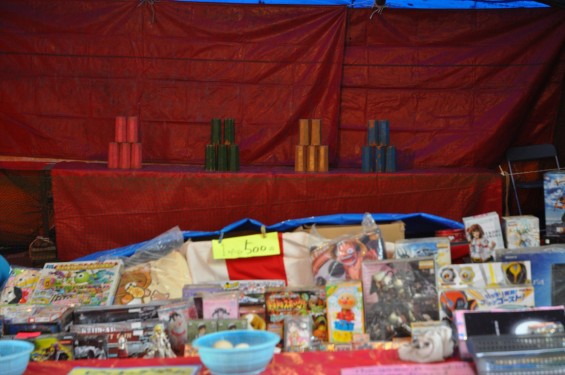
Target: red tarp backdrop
458 86
70 67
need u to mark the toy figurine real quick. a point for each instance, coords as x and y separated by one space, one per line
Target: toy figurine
347 302
161 346
122 346
434 345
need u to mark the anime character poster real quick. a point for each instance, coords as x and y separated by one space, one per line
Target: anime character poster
341 259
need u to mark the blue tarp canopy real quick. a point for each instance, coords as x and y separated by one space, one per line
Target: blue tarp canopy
417 225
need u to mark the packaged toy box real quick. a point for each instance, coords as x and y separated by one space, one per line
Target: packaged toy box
521 231
396 293
554 194
484 234
345 310
484 286
548 271
437 247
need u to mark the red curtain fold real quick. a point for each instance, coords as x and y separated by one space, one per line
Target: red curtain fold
70 67
458 87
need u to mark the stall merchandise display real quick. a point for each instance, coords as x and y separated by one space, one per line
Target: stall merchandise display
366 296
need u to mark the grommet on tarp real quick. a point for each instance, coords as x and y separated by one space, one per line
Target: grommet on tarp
221 237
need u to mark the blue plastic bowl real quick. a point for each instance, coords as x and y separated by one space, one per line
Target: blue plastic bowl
14 356
237 361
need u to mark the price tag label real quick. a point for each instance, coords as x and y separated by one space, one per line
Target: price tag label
257 245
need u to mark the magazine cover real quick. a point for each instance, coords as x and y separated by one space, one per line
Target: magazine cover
397 293
484 234
77 283
19 286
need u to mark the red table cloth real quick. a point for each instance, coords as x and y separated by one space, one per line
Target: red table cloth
97 208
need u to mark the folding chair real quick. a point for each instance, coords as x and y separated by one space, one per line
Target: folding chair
518 158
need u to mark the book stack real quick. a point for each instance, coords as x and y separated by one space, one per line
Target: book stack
310 154
125 151
378 155
222 153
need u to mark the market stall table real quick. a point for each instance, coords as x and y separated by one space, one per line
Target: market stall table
326 363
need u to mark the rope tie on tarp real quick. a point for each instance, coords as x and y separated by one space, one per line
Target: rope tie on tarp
506 176
151 4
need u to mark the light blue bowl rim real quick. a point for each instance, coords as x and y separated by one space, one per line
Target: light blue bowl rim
271 339
26 347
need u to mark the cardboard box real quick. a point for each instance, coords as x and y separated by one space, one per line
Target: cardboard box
391 232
